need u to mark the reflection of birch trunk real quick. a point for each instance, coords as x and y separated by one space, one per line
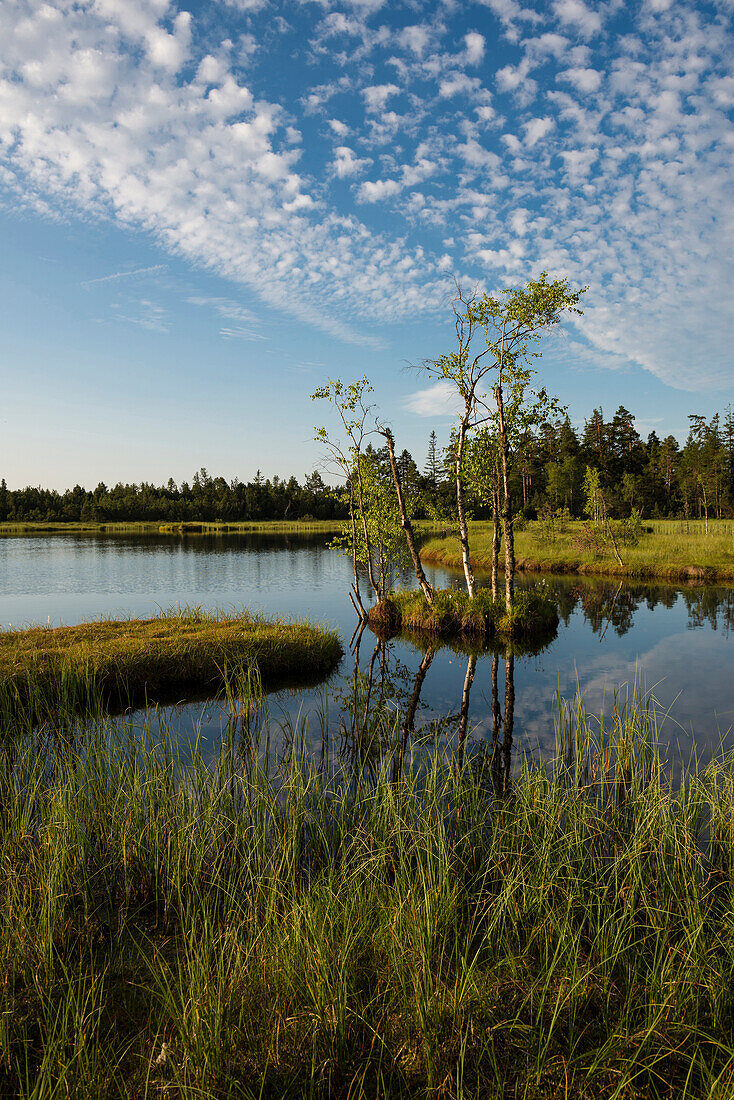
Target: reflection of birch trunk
464 712
496 712
611 613
370 681
409 721
502 753
509 717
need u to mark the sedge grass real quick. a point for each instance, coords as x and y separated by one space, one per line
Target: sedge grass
453 615
239 929
131 660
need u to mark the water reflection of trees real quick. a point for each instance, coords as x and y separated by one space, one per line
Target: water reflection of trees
380 705
710 605
612 604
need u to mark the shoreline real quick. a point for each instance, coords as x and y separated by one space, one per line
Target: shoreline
692 573
172 527
666 554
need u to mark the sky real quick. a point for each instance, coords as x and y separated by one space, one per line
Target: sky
209 209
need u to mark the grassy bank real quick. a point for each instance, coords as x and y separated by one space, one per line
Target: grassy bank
240 934
130 660
452 615
187 527
669 549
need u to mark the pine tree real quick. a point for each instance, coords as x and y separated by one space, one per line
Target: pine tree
432 470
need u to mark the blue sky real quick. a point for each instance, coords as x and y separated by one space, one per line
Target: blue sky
208 209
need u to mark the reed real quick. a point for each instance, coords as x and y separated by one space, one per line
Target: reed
240 929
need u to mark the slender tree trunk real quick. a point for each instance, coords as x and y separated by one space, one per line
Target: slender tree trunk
463 525
496 535
365 532
359 606
506 504
404 519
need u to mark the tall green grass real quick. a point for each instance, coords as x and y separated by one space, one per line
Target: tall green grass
253 927
673 549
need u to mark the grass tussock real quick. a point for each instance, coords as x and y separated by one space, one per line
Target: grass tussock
668 549
238 933
132 660
453 615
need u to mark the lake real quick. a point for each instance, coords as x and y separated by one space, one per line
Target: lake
676 642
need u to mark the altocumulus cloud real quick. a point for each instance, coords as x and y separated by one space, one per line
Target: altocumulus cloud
596 141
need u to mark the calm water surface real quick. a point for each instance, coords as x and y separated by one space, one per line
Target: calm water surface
678 642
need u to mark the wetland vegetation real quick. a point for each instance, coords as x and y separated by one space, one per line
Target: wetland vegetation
453 615
393 907
394 920
662 549
131 661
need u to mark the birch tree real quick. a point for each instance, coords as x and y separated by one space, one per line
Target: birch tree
490 369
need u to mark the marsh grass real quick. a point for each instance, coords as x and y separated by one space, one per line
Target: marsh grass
453 615
130 661
672 549
238 928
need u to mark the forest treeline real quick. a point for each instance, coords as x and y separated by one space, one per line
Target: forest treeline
657 477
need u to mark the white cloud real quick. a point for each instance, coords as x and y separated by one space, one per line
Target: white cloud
339 128
246 5
587 20
377 190
377 95
585 80
209 171
145 314
226 307
136 273
516 78
422 170
347 164
509 13
550 44
124 110
456 83
578 163
536 129
238 332
415 38
474 47
440 399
